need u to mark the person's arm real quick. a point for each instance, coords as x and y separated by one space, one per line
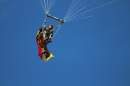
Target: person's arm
39 33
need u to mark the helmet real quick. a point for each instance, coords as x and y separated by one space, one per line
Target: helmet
51 26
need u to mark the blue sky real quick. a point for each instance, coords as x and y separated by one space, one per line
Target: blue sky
89 52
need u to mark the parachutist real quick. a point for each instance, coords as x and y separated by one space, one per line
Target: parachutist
42 42
44 37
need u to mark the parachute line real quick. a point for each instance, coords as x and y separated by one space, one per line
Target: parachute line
47 5
74 4
56 31
42 5
77 7
74 12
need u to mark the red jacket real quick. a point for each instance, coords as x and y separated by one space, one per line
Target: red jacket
40 43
